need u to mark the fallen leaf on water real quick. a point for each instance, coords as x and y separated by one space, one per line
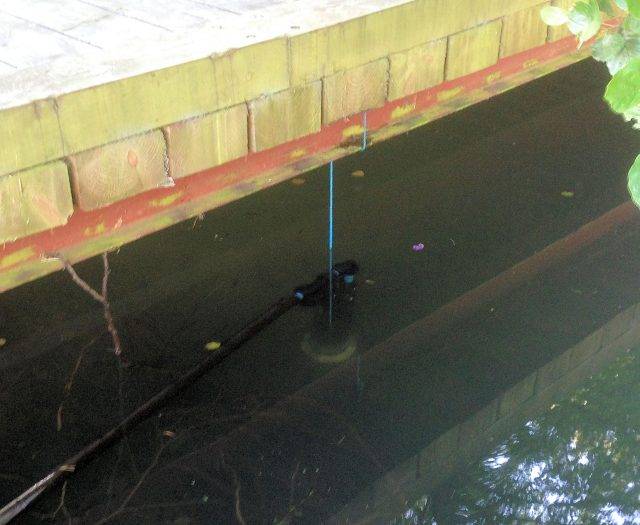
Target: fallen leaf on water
358 173
169 433
3 342
212 345
567 194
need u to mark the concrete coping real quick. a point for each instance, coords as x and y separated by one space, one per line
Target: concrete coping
49 49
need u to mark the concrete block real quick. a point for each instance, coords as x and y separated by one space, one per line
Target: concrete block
109 173
417 69
110 112
34 200
473 436
249 72
29 135
355 90
473 50
553 371
441 458
281 117
204 142
452 16
523 30
358 41
513 398
620 324
587 347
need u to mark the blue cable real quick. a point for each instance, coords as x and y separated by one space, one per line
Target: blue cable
364 133
330 242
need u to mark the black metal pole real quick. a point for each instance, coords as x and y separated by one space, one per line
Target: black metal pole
20 503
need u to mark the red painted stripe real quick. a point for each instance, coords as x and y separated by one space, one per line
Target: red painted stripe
83 226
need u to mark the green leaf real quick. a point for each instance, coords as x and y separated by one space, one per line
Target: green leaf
631 25
585 20
623 91
554 16
633 115
605 5
616 49
622 4
608 47
633 182
633 6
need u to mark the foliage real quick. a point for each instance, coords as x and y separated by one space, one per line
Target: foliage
618 46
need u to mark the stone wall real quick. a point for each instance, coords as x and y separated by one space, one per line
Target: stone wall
122 138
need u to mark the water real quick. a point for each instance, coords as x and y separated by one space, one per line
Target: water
577 462
282 432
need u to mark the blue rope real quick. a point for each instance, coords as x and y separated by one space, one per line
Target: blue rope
331 242
364 133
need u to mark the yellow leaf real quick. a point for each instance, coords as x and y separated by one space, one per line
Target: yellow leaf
212 345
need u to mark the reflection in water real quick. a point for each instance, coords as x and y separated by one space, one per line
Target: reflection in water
576 463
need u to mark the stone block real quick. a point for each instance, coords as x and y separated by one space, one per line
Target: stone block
355 90
285 116
416 69
523 30
620 324
441 458
249 72
326 51
512 399
34 200
204 142
473 436
29 135
473 50
553 371
113 111
587 347
110 173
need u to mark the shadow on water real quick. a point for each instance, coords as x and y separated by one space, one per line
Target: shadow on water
281 433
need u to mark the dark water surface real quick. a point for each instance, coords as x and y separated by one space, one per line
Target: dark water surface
578 462
278 435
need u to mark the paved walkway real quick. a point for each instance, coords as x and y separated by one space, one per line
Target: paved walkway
52 47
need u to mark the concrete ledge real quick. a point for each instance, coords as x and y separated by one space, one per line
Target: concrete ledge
125 220
363 56
403 485
354 66
126 95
